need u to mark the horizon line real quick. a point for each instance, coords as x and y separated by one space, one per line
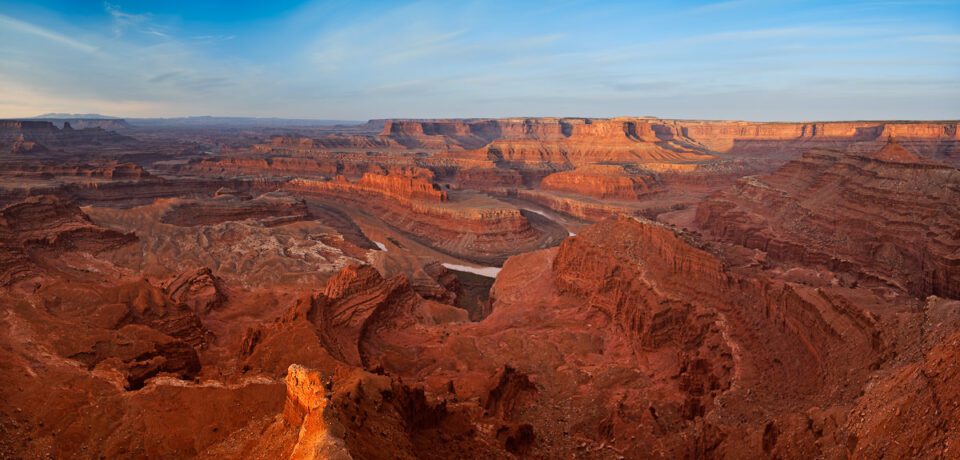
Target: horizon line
98 116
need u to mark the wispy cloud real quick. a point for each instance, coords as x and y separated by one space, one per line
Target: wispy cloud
122 20
719 6
212 38
164 77
137 67
487 58
37 31
804 31
141 23
948 39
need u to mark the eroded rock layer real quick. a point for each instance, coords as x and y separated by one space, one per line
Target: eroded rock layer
887 215
553 139
486 288
603 182
472 226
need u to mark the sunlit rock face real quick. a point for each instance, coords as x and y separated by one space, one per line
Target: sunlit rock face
483 288
888 214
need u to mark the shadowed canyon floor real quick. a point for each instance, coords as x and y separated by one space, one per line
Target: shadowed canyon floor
482 288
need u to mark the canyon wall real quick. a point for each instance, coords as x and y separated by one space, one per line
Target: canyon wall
889 216
109 124
473 226
725 333
657 283
239 294
48 224
564 141
47 134
603 182
618 275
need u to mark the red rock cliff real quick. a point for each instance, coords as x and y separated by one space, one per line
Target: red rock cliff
603 182
886 216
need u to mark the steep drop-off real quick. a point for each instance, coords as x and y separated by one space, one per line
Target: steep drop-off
888 215
472 226
603 182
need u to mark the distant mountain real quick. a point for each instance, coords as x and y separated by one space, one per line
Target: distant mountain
197 121
211 121
75 116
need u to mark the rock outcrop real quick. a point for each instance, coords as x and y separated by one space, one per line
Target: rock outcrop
321 435
349 317
472 226
269 209
932 139
883 216
402 188
558 141
603 182
200 289
355 303
139 353
21 145
47 134
48 224
434 281
912 413
630 277
357 415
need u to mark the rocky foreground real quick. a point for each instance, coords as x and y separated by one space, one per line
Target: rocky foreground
505 288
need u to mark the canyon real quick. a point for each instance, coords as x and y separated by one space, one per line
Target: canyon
630 287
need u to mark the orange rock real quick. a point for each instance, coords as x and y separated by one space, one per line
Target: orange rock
603 182
837 210
321 436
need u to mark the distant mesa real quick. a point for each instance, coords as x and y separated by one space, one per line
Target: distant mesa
76 116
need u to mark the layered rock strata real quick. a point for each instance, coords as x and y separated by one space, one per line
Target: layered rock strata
474 227
269 209
48 224
603 182
888 215
555 140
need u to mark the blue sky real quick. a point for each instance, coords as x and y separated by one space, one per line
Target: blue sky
735 59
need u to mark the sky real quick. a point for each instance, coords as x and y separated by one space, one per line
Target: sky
357 60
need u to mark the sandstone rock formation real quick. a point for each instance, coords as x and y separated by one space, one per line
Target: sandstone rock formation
652 138
31 229
915 406
255 242
269 209
200 289
110 124
933 139
484 288
603 182
439 283
470 226
21 145
321 435
47 134
357 415
886 215
402 188
355 308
